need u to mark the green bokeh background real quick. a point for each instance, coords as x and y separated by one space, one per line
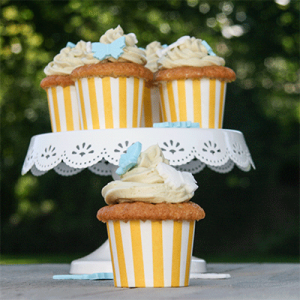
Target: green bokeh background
253 214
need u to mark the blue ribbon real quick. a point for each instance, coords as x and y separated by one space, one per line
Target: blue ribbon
208 48
187 124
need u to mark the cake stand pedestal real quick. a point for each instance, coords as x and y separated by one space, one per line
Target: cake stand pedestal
100 260
187 149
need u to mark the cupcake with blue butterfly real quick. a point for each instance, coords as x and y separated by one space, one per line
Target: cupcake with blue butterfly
192 80
110 84
150 220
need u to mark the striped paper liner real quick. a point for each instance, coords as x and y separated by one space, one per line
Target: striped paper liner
110 102
151 253
195 100
63 108
151 107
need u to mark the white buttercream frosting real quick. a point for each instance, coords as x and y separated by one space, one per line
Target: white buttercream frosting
152 180
131 52
175 179
152 55
187 51
69 59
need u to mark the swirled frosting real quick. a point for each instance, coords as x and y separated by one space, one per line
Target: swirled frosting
131 52
191 52
151 55
152 180
69 59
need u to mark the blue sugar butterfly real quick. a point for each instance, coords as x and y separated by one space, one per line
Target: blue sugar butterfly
115 49
129 159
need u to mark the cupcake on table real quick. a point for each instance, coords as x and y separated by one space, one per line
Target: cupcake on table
150 220
110 89
192 81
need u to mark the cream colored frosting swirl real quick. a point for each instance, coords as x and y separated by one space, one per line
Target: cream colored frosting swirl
69 59
131 52
191 52
145 182
151 55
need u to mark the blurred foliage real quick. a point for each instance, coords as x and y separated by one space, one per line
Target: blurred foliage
255 212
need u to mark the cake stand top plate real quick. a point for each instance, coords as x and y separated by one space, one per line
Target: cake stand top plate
188 149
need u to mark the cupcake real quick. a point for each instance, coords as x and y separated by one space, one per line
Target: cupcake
150 220
151 104
193 83
60 88
110 90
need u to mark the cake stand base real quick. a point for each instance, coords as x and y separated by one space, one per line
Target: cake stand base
100 261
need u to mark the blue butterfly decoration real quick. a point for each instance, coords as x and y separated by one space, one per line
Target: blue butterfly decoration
71 45
187 124
115 49
129 159
208 48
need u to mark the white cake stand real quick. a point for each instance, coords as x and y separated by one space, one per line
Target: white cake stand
187 149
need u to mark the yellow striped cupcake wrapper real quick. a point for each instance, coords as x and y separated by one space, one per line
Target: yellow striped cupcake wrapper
151 107
151 253
195 100
63 108
110 102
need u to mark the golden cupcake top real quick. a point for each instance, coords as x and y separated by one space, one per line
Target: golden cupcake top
212 72
56 80
188 51
117 69
148 177
126 211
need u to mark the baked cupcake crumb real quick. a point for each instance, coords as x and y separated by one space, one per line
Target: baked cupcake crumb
212 72
56 80
109 69
147 211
